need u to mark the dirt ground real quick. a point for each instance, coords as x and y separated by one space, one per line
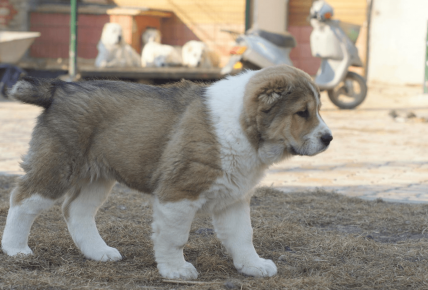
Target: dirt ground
318 239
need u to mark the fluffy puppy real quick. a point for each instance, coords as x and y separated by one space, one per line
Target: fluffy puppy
151 35
113 51
198 54
155 54
195 147
159 55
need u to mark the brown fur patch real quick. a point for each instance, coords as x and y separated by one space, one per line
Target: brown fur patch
153 139
190 162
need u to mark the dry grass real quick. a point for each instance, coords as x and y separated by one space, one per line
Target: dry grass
319 240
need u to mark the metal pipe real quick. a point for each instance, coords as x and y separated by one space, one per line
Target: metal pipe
426 65
247 14
73 41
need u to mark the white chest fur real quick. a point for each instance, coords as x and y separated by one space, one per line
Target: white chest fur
239 160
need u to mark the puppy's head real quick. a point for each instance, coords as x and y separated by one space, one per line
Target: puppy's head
151 35
281 114
112 34
194 53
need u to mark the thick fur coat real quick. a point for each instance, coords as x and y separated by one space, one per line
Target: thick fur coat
195 147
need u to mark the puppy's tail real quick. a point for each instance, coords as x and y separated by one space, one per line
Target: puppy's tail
34 91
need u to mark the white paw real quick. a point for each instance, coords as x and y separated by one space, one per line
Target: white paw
10 251
104 254
184 272
257 268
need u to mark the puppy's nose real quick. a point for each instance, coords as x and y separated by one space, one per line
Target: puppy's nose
119 39
326 139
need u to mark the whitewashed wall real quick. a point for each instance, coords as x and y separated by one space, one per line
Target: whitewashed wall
397 41
270 15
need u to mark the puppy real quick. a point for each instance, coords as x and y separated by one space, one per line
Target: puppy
159 55
151 35
198 54
113 51
155 54
195 147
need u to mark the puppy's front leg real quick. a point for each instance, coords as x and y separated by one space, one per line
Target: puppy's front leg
233 228
171 226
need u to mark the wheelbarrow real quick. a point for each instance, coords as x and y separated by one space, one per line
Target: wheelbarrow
13 45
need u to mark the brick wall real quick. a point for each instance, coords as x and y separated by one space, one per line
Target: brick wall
175 32
299 27
191 20
301 55
88 34
55 34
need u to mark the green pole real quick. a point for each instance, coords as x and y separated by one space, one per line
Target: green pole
247 14
73 40
426 65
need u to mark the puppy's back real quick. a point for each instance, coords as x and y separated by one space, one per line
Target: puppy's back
114 127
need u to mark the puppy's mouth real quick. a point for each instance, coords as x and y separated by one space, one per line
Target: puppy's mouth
293 151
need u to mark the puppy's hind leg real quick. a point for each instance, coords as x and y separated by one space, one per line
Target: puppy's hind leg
79 209
22 212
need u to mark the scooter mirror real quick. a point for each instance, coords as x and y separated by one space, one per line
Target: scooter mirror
321 10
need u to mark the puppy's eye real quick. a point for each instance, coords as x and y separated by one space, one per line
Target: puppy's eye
303 114
267 110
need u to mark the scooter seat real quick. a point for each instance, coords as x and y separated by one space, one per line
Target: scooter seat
279 39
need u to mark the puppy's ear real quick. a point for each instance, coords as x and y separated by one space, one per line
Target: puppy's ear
269 99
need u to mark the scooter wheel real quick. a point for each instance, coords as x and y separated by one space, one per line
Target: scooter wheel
350 93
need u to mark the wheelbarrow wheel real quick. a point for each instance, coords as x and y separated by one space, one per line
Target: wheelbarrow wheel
350 93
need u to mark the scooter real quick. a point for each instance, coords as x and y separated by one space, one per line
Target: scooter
259 49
